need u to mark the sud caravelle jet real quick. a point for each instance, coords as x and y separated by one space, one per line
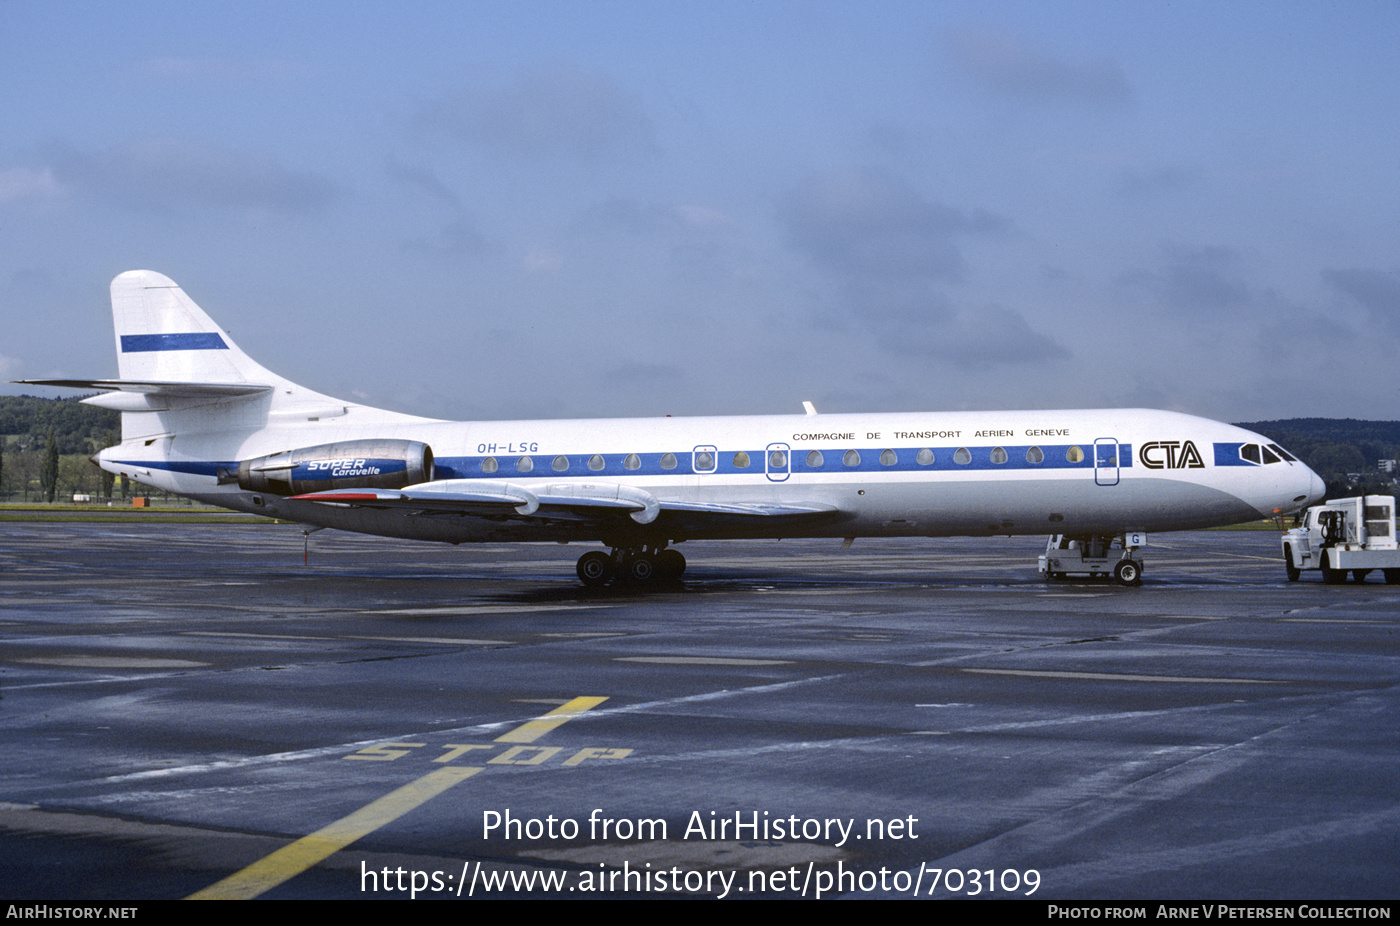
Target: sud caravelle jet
202 419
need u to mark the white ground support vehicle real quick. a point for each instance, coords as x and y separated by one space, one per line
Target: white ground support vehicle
1095 556
1355 535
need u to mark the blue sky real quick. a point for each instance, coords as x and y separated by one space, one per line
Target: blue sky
538 209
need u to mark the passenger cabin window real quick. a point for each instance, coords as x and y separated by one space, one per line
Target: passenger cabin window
741 460
704 461
560 463
595 462
962 456
998 454
777 460
524 464
1035 455
1074 455
888 458
925 457
489 465
668 461
632 461
815 460
852 458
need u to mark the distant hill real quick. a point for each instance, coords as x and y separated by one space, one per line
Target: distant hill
78 428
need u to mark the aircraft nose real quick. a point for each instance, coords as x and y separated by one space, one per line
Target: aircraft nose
1317 489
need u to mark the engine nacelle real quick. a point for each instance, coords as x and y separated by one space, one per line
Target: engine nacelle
353 464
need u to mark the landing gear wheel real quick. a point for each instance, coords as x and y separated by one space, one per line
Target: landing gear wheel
1127 572
594 568
1293 571
670 565
640 569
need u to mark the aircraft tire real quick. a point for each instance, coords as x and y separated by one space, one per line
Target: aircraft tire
670 564
1127 572
640 569
594 568
1293 571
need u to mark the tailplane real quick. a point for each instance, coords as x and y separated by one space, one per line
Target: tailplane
181 374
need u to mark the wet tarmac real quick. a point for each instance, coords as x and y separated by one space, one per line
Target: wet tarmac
190 709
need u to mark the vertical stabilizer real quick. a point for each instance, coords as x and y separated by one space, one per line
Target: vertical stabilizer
162 336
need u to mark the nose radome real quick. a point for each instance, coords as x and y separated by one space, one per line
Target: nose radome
1317 489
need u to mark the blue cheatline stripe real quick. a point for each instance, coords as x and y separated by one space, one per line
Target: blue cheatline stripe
192 340
1227 453
1055 456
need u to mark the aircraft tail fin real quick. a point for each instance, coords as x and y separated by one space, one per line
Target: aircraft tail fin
163 336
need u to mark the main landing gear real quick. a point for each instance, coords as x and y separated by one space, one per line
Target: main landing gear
1094 555
636 566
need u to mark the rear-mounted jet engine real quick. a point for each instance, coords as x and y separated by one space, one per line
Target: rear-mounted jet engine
355 464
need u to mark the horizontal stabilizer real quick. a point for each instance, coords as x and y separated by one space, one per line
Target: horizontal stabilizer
154 387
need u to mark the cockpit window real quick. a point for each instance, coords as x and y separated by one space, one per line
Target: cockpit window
1283 453
1271 457
1250 452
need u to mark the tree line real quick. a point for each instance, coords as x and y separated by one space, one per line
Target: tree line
45 445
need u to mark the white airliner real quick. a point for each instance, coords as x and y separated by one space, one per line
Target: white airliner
202 419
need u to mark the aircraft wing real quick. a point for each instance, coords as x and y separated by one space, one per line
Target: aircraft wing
569 501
